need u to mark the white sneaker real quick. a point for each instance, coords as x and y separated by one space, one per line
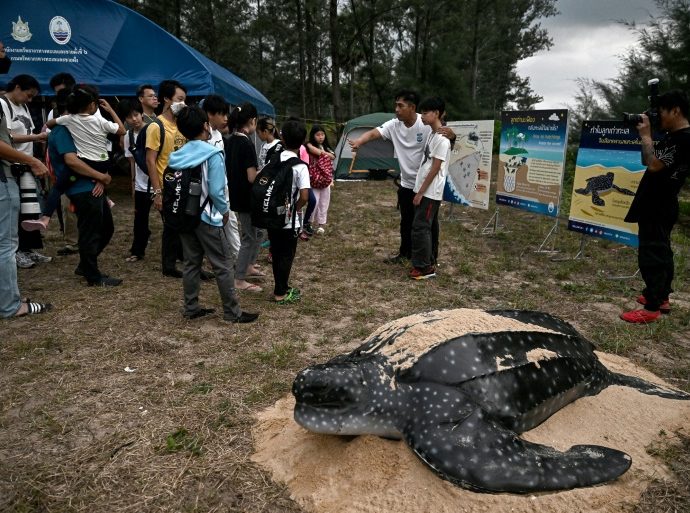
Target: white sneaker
320 231
23 260
39 258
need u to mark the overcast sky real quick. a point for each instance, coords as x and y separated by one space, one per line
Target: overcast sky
587 42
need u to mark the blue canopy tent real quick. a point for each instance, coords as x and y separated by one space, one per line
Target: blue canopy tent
108 45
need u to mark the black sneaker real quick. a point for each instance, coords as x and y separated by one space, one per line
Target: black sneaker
201 312
80 272
244 318
172 273
396 259
106 281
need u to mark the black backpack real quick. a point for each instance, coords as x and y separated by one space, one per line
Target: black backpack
138 147
182 205
272 203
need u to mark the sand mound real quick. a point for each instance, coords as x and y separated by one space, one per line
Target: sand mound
368 474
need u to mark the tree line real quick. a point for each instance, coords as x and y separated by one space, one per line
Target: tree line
336 59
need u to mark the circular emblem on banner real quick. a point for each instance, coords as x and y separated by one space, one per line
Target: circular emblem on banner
60 30
263 180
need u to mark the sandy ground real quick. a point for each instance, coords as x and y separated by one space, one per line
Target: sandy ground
368 474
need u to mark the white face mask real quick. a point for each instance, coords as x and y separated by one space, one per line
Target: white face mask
177 107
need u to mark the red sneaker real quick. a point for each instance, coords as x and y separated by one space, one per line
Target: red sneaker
422 274
664 308
641 316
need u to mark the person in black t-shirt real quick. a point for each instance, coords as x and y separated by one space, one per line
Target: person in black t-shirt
655 206
241 165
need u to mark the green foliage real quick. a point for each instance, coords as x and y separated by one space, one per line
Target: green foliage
307 56
182 440
663 51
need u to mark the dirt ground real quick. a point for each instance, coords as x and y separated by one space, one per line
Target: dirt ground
114 402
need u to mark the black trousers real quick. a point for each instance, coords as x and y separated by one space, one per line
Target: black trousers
171 247
407 208
283 249
95 225
422 240
142 208
655 259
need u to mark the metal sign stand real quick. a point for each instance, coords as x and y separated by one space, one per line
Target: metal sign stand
492 226
629 277
549 235
580 253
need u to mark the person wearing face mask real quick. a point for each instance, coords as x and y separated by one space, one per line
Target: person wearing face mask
208 238
172 94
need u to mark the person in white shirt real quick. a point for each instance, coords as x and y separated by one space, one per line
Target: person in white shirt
284 241
408 135
141 184
428 189
216 109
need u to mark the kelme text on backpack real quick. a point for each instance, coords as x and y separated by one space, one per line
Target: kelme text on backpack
272 202
182 205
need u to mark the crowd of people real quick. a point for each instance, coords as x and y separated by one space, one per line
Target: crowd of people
211 144
159 134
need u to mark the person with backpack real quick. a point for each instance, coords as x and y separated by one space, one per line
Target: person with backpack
160 139
280 190
141 183
241 164
194 200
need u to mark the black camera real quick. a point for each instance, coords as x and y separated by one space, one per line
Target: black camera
652 113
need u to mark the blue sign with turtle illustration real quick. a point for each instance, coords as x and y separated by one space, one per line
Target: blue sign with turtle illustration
532 160
607 174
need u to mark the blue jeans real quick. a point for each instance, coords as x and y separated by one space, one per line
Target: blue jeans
9 241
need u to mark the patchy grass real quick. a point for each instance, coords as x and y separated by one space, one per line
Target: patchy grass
82 435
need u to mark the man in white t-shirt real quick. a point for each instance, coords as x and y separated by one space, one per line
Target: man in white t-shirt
428 189
408 135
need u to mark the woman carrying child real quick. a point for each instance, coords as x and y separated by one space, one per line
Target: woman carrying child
89 130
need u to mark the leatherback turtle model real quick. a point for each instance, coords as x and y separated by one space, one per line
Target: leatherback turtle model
597 185
459 386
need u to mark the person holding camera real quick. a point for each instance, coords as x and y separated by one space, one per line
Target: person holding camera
11 304
655 206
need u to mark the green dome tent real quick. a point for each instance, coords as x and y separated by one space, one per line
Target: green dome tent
378 154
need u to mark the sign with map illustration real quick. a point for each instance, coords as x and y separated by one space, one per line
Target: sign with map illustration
469 167
532 160
607 174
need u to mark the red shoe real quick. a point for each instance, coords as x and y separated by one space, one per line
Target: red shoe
641 316
422 274
664 308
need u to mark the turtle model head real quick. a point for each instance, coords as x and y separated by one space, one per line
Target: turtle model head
341 397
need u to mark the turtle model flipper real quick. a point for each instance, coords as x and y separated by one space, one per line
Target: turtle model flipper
475 452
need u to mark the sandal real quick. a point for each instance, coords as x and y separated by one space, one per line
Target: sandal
133 258
250 287
34 308
257 274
